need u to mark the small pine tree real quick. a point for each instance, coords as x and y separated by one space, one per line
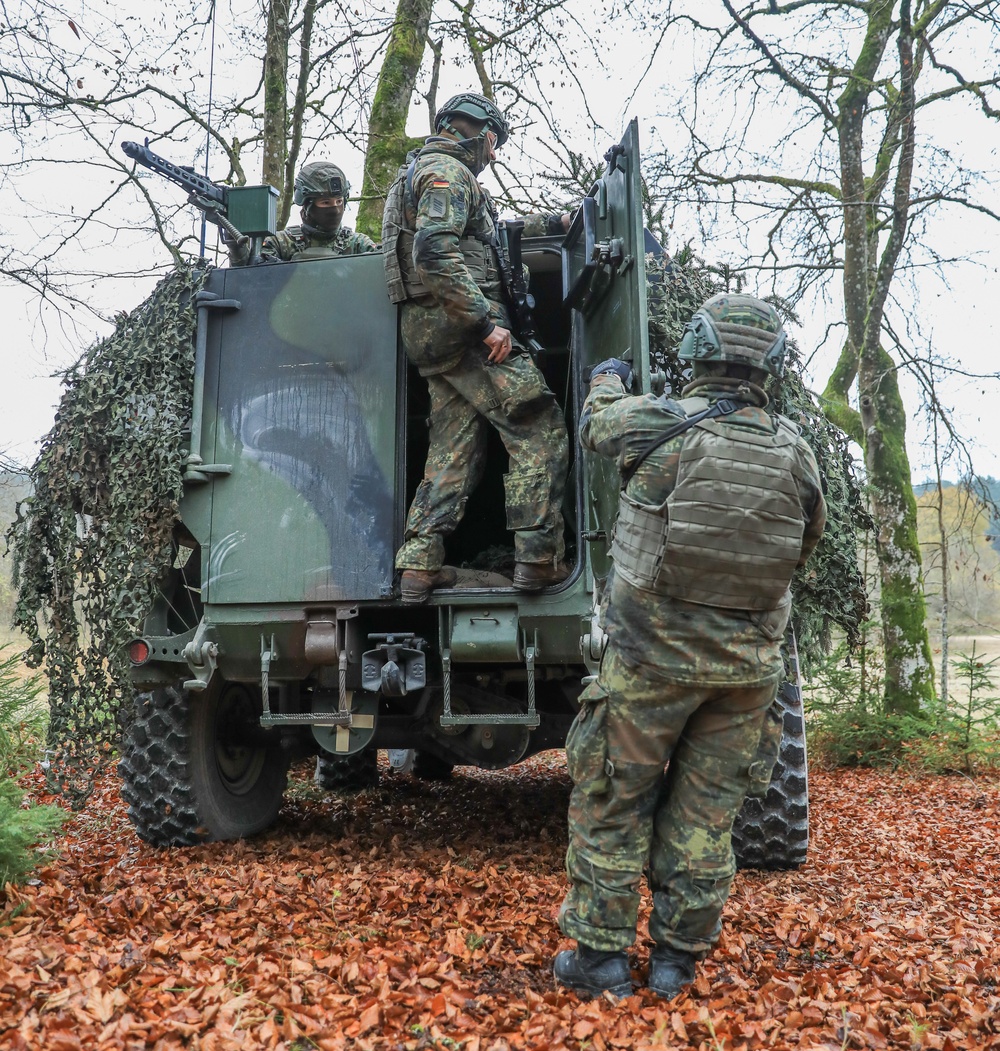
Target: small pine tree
23 826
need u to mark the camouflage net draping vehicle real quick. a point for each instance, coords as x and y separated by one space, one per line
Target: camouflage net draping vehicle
280 634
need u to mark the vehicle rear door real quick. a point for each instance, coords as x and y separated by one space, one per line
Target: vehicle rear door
604 282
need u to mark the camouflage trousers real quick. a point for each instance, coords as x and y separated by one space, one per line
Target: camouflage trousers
465 400
627 816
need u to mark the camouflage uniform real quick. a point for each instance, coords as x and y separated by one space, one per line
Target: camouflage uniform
543 224
679 681
293 241
442 330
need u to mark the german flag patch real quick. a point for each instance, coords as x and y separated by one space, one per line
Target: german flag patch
438 199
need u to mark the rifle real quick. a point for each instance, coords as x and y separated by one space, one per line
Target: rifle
522 302
212 200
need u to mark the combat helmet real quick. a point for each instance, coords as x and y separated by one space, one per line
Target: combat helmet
320 179
736 329
476 107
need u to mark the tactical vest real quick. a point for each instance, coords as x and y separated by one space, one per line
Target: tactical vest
730 532
316 252
303 250
401 277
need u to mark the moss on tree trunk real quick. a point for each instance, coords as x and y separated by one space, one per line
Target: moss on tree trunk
388 142
275 132
879 424
909 671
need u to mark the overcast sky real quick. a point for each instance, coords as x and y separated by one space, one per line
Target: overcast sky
961 323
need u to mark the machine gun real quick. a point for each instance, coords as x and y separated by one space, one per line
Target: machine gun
252 207
522 302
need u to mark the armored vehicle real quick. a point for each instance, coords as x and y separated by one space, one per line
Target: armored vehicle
280 632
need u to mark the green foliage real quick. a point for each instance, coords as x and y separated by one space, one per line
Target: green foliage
850 727
22 827
22 715
965 733
93 541
22 726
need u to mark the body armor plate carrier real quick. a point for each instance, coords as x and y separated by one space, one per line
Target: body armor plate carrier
730 532
401 278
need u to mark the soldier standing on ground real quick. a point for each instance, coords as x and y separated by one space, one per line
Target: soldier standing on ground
439 235
322 191
712 524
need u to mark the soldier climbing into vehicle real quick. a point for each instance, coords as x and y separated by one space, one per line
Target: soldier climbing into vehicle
440 245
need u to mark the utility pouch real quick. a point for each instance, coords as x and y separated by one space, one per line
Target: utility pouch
638 541
518 383
527 496
773 623
587 744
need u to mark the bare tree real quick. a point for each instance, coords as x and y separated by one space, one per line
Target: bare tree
512 49
242 92
835 202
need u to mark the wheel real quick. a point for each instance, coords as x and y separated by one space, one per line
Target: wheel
428 767
347 774
197 767
772 831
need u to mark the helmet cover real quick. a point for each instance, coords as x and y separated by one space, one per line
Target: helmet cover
736 329
320 179
478 108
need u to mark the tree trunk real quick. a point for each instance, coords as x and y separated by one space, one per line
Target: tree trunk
909 672
388 142
909 676
275 132
298 111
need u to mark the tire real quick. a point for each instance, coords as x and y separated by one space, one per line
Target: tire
348 774
197 767
772 832
428 767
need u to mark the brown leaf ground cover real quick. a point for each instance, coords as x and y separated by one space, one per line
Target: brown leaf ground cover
422 916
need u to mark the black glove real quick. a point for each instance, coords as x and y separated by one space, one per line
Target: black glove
621 369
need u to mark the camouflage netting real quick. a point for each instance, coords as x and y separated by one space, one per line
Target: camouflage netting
829 592
94 539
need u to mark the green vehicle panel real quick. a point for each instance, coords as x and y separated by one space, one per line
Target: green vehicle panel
301 402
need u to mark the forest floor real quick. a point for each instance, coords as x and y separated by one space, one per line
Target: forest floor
422 916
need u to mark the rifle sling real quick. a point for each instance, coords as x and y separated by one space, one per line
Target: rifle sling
723 407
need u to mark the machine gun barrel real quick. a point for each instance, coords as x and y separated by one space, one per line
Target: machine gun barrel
212 200
185 176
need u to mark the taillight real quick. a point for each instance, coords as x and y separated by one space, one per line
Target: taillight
138 651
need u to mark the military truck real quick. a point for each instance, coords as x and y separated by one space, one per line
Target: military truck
279 632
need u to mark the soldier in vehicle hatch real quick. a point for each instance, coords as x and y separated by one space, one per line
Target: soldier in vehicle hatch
322 192
438 238
720 502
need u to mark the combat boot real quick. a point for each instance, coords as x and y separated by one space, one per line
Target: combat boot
593 971
670 970
533 576
417 584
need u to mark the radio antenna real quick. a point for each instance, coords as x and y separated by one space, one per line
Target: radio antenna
208 121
